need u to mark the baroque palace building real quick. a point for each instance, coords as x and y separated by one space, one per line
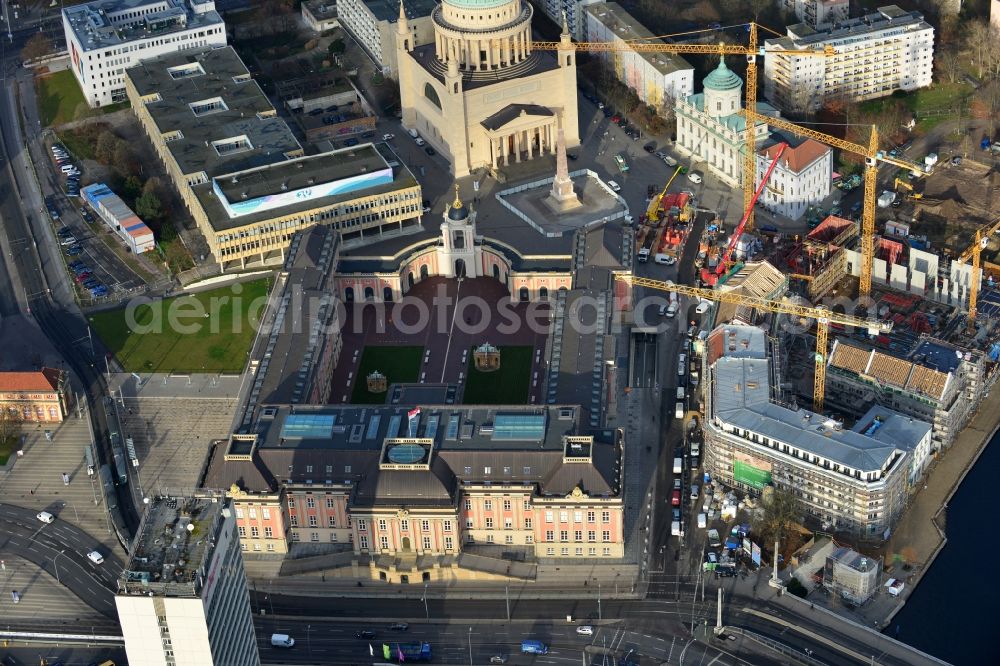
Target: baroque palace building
479 93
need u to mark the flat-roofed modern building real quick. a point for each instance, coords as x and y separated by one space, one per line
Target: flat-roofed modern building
182 598
876 54
243 175
853 481
659 79
106 37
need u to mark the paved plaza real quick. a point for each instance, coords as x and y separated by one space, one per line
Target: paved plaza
455 325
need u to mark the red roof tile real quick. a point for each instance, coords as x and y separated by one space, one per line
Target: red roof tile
48 379
798 158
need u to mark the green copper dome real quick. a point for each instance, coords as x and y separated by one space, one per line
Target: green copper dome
722 78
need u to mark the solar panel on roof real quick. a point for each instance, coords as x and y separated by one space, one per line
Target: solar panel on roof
373 426
432 426
453 422
393 430
519 426
308 426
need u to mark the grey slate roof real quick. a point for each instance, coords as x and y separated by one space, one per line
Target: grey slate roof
511 112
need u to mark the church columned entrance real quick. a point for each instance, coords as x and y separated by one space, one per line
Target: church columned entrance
523 144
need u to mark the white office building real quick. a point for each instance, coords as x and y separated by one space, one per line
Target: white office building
182 598
800 179
373 24
105 37
876 54
847 480
659 79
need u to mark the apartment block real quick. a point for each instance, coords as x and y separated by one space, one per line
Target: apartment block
574 12
106 37
182 598
938 382
845 480
800 179
659 79
373 24
818 12
876 54
320 15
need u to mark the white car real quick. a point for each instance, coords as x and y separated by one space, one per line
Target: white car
388 137
694 177
615 187
46 517
419 141
95 557
585 630
703 307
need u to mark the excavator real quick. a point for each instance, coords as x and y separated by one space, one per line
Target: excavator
653 212
913 194
710 277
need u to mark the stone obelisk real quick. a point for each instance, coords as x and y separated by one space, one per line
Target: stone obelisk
561 197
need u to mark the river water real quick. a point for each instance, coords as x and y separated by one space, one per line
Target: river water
953 612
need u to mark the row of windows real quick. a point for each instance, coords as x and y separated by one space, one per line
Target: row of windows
578 535
591 552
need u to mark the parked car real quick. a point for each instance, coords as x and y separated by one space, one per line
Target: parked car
45 517
649 147
675 514
615 187
430 151
399 626
82 277
585 630
351 142
74 251
364 633
695 177
388 137
98 291
675 498
91 283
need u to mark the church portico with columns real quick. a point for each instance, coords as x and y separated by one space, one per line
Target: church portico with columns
520 131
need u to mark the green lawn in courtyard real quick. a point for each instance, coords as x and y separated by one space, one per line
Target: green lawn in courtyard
398 364
507 386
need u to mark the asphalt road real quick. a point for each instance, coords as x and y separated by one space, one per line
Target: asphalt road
60 549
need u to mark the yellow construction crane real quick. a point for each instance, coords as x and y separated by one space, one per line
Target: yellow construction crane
823 316
751 51
872 156
982 236
653 212
913 194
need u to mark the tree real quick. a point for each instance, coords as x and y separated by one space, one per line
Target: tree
38 46
148 207
949 65
336 47
132 187
124 160
11 419
781 510
104 150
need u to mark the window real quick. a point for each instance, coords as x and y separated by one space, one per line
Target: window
404 526
579 552
529 539
381 525
253 513
564 535
268 533
578 516
591 536
591 551
265 513
564 516
329 470
468 523
527 505
347 469
605 516
564 551
448 543
527 523
362 525
489 523
548 516
314 536
312 521
487 471
333 537
294 520
383 541
526 470
295 536
578 535
606 536
506 505
310 504
427 543
270 547
508 523
468 505
447 526
239 513
425 526
489 538
254 532
549 535
509 539
550 551
607 551
331 521
309 469
590 516
488 505
243 531
329 502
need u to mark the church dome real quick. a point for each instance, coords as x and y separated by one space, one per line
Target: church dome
457 211
722 78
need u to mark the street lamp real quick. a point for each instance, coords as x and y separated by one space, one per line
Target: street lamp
470 646
55 567
424 599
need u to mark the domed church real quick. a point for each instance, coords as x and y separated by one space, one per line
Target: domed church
480 94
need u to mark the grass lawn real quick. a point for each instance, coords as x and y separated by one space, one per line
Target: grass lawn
210 331
58 96
940 96
506 386
398 364
7 447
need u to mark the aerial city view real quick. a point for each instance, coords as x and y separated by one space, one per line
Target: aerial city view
528 332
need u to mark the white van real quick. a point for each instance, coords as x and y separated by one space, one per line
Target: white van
282 641
664 259
675 528
678 465
679 410
703 307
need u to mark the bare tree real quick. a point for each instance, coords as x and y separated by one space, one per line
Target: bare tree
949 65
781 510
38 46
11 420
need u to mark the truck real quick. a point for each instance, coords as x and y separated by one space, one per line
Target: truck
647 247
406 652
